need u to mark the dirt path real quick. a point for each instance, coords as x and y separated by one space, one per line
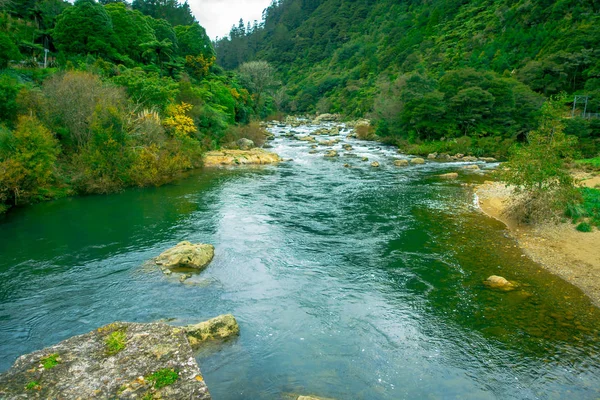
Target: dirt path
561 249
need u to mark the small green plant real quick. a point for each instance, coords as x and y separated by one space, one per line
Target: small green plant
115 342
50 361
163 377
584 227
33 385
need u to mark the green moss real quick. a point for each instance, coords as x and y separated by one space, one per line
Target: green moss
50 361
163 377
33 385
115 342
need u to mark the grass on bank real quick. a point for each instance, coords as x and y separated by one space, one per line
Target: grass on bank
586 213
590 162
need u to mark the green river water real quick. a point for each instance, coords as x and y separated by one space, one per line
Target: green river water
349 283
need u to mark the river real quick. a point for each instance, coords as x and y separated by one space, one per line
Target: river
349 283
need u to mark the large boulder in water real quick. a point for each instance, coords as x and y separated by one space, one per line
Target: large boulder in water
417 160
187 255
245 144
219 328
118 361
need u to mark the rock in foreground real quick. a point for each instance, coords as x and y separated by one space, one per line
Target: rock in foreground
187 255
118 361
240 157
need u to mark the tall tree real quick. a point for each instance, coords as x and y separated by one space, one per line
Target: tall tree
84 28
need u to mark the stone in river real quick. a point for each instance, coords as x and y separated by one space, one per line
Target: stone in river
187 255
499 282
417 160
400 163
375 164
219 328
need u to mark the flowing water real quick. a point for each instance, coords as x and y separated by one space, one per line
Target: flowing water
350 283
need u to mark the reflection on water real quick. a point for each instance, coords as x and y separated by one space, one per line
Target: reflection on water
361 282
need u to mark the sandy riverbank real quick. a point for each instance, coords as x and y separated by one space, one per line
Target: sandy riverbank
561 249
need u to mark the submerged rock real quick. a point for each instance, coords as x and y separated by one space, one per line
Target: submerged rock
417 160
219 328
331 153
375 164
472 166
365 159
401 163
240 157
499 282
488 159
187 255
121 360
449 175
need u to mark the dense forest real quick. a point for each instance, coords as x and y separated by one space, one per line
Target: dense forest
95 97
475 72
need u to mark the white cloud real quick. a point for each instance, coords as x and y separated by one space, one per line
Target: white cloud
217 16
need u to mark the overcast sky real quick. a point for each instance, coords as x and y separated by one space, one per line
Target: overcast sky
217 16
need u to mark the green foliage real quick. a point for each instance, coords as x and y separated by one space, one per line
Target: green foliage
131 29
27 162
84 28
115 342
50 361
163 377
9 89
32 385
193 41
148 89
170 10
587 208
584 227
8 50
594 162
539 170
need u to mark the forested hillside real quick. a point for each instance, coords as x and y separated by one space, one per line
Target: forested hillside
431 69
95 97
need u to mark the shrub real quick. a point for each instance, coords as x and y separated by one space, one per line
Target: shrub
73 100
27 162
9 89
253 131
584 227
